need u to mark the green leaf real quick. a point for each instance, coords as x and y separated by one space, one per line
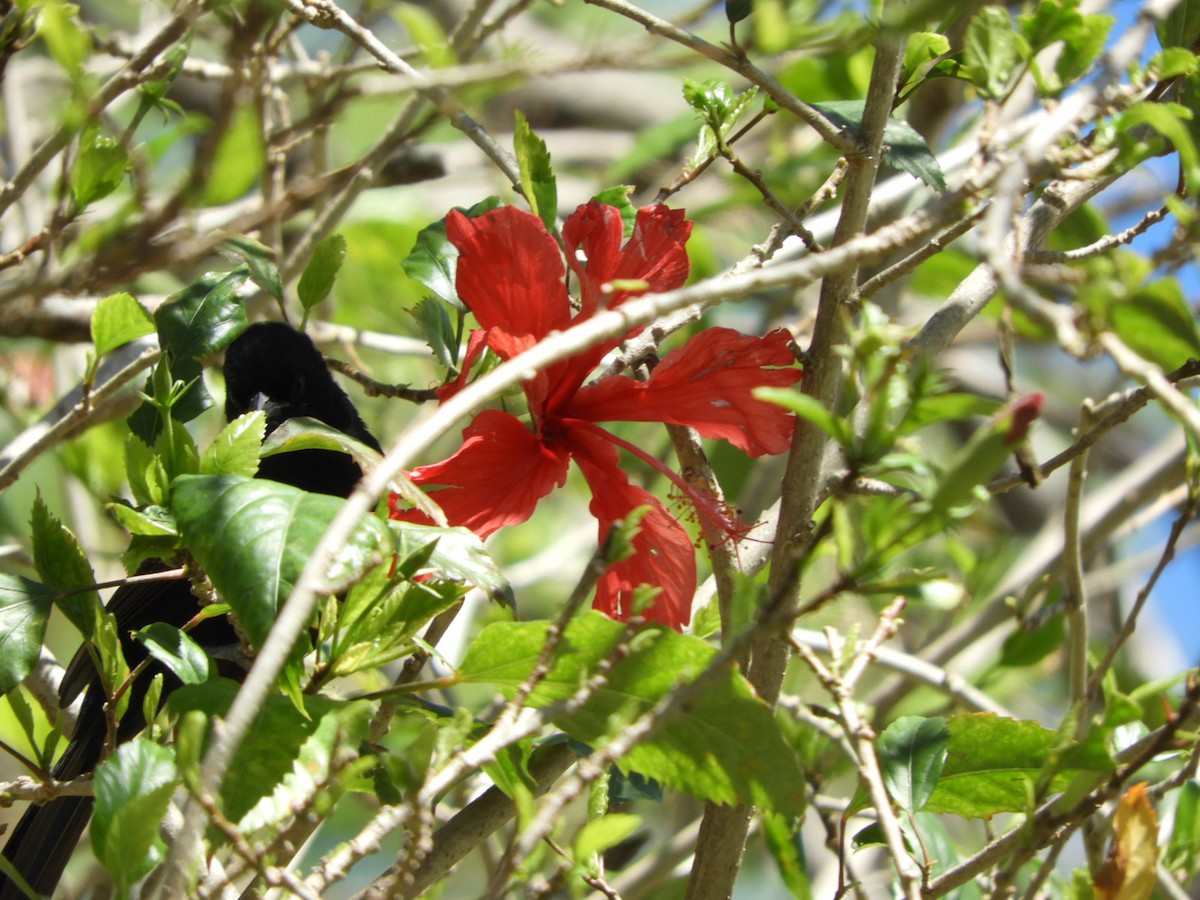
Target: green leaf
725 746
24 610
771 32
156 90
303 433
254 537
238 162
618 197
537 175
279 744
1157 323
382 615
1184 845
992 763
736 10
1024 648
176 651
922 50
1182 25
720 107
117 320
787 849
150 521
607 831
1171 120
62 565
99 168
809 408
433 260
435 324
903 147
145 472
985 452
949 407
193 323
260 259
321 271
65 38
990 51
912 751
133 791
458 555
235 450
152 698
426 33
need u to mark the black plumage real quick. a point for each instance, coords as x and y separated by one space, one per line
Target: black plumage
270 367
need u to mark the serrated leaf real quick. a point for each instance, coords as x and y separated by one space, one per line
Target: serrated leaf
62 565
254 537
457 555
720 106
381 616
990 50
438 330
911 752
261 261
433 260
992 763
537 175
175 650
117 320
321 271
903 147
724 747
196 322
238 162
923 49
235 450
278 742
24 610
133 791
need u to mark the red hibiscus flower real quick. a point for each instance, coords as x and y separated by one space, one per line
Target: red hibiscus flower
512 276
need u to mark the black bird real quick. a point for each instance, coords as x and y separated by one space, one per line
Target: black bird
269 367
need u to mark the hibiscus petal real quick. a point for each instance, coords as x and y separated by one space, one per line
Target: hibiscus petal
655 252
664 556
708 384
510 271
495 479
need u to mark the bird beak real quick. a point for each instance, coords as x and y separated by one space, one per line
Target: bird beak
275 411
